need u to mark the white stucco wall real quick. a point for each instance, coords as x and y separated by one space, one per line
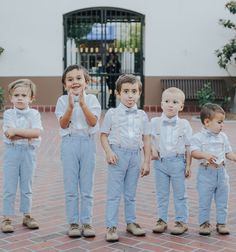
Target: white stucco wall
180 35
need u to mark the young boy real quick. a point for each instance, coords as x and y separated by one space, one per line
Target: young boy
211 147
78 115
22 128
124 133
170 151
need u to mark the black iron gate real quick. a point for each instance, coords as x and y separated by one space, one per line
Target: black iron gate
107 41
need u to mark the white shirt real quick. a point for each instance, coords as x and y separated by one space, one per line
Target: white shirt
170 136
213 143
126 126
78 122
23 119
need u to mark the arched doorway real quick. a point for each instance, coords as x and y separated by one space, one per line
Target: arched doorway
101 37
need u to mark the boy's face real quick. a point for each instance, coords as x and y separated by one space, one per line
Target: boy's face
216 124
171 104
75 82
21 97
129 94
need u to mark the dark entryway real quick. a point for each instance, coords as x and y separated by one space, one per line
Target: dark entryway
107 41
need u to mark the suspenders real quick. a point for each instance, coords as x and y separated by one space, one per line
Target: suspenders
116 119
156 139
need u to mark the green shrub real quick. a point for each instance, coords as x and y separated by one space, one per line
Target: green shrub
205 95
1 50
1 98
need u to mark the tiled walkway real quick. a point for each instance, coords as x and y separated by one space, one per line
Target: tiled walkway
48 209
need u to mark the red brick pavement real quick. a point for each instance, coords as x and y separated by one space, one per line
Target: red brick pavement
48 208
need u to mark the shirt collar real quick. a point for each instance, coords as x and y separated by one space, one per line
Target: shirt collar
207 131
165 118
21 111
124 108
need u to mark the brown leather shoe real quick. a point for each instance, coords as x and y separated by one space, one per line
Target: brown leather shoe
88 230
30 222
179 228
74 230
135 229
7 226
112 235
160 227
222 229
205 228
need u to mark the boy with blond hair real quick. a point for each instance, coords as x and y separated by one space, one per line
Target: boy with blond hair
22 129
170 151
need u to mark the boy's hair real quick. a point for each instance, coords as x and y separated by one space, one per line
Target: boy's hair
78 67
22 83
127 78
176 91
209 110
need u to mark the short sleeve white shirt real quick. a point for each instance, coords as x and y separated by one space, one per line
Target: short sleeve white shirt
216 144
171 138
126 126
23 119
78 122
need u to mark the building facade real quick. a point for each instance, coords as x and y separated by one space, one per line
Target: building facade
167 40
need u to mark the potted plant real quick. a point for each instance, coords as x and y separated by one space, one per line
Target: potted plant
205 94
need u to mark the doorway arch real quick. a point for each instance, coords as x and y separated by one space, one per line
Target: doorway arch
93 35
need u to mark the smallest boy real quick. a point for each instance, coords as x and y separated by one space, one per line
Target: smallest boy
211 147
124 132
170 151
22 129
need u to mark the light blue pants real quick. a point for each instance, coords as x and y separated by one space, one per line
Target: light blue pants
212 182
78 159
19 164
122 178
171 170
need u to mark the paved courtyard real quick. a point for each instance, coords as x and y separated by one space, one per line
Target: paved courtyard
48 208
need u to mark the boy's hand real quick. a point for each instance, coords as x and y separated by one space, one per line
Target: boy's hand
211 159
70 100
155 155
111 157
188 172
145 170
10 133
81 97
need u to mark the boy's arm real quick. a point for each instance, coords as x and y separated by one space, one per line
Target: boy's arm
155 155
197 154
16 133
231 156
66 118
188 159
110 155
91 119
145 170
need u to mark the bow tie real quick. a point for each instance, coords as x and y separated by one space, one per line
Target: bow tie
21 113
131 111
169 123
